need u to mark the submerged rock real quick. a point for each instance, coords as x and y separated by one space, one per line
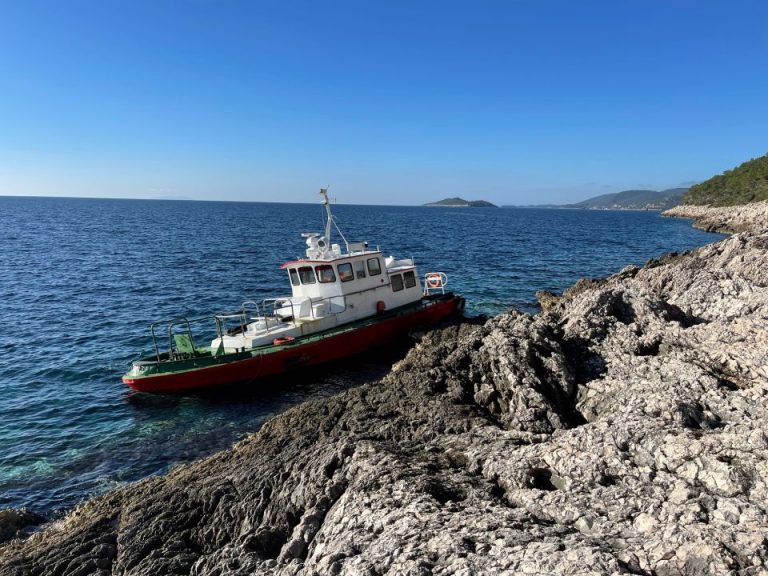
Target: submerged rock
622 430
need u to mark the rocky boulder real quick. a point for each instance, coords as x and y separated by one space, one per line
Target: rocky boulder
622 430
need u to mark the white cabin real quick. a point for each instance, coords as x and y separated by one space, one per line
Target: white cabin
329 288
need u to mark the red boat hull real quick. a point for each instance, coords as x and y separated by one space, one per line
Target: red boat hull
333 347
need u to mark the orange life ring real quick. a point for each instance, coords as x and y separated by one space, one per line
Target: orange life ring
283 340
434 280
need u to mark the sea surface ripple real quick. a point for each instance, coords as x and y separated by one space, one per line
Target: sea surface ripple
81 279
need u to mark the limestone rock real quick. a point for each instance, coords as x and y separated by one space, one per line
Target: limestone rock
621 430
743 218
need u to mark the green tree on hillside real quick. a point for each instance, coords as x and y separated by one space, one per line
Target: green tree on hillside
744 184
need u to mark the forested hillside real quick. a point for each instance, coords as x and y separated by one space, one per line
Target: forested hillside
744 184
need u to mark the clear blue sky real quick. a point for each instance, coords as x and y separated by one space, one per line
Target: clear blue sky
396 102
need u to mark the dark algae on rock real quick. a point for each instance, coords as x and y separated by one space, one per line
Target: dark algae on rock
621 430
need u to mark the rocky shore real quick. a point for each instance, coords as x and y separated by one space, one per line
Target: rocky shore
744 218
621 430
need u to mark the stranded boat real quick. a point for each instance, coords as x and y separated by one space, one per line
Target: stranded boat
342 303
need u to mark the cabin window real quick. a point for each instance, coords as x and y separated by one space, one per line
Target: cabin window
325 273
307 275
374 266
345 272
294 277
360 269
397 282
410 279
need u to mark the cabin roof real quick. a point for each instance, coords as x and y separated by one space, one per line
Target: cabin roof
305 261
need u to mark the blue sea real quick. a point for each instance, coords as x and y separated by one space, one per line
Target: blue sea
81 279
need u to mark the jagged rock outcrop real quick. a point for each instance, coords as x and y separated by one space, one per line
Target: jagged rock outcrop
16 523
741 218
622 430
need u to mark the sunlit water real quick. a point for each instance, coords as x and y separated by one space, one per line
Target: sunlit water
81 279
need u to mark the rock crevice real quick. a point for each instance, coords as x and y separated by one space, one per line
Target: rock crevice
621 430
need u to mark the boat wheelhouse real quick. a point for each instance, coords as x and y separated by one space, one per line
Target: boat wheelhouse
342 302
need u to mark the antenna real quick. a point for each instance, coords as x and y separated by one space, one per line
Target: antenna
330 221
328 214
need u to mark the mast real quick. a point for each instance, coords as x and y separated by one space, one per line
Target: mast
329 222
328 215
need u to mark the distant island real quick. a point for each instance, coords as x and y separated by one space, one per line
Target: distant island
743 184
627 200
746 183
461 203
634 200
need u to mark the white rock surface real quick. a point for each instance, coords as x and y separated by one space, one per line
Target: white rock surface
624 430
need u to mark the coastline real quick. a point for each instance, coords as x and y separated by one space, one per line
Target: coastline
727 219
620 430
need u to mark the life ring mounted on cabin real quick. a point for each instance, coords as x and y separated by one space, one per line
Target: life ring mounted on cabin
434 280
283 340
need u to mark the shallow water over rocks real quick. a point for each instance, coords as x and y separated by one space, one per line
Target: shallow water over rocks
620 431
80 279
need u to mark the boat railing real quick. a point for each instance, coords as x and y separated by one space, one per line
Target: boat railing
221 321
172 343
251 304
275 304
434 281
249 310
316 304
